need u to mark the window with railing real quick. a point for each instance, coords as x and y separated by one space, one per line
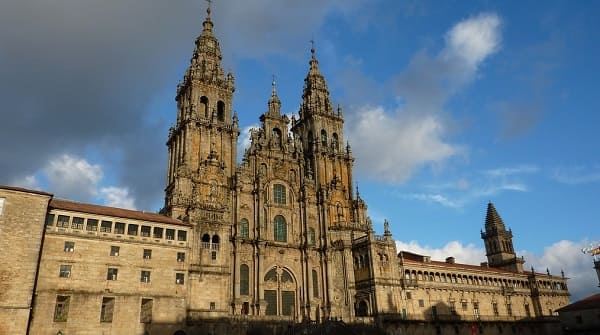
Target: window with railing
106 226
145 276
119 228
77 223
157 232
170 234
181 235
112 274
132 229
65 271
145 231
63 221
92 225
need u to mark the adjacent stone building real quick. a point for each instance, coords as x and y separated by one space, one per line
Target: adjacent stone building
280 241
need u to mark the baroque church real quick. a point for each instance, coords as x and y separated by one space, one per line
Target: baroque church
277 243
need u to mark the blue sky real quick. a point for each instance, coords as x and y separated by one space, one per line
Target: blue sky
448 105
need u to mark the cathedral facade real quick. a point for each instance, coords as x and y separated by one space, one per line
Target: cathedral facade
281 239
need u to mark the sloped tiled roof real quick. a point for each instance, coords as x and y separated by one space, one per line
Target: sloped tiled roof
591 302
112 211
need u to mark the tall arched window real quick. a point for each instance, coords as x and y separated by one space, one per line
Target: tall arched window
323 137
311 236
215 242
206 241
221 111
204 105
315 284
280 229
244 280
244 228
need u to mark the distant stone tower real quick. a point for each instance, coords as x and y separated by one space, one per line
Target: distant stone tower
498 243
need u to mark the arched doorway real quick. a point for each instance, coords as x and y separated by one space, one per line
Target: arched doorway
362 308
280 292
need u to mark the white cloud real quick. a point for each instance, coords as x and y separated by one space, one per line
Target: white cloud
408 143
117 197
474 39
29 182
561 256
413 134
436 198
73 177
577 175
567 256
507 171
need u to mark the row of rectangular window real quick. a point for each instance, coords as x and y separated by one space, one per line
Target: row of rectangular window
114 251
61 309
113 273
64 221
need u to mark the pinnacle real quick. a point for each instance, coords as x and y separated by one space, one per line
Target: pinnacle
492 218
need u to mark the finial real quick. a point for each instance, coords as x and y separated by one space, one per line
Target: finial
312 48
208 9
562 273
548 271
274 85
532 270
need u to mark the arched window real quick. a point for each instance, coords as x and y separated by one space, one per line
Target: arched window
221 111
244 228
323 137
204 105
315 284
244 280
206 241
279 194
215 242
280 229
277 136
311 236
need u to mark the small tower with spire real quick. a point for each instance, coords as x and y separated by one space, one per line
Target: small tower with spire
498 243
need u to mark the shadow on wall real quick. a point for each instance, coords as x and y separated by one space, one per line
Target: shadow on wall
242 326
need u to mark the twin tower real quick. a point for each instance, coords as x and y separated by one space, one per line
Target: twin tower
282 234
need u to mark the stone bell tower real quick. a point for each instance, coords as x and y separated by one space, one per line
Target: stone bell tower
202 163
498 243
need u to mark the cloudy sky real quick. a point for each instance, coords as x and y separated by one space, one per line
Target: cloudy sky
448 105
